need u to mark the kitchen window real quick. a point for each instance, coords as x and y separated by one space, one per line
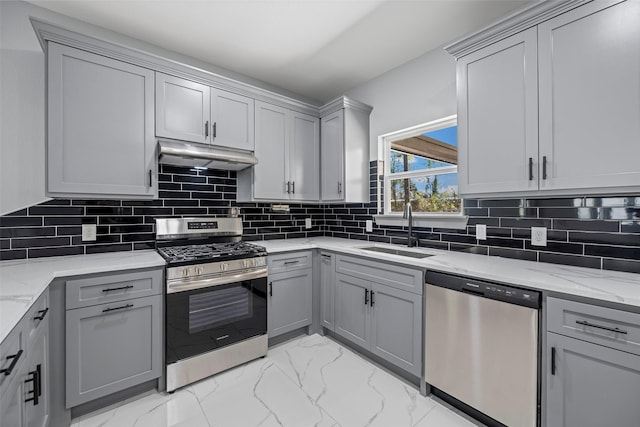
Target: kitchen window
421 168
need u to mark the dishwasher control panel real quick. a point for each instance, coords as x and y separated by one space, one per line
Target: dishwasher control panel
497 291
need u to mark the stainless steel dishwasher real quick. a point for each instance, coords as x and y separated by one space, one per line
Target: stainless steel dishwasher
481 348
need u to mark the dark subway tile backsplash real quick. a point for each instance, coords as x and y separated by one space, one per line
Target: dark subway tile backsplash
595 232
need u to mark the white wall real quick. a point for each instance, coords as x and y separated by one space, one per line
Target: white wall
22 96
414 93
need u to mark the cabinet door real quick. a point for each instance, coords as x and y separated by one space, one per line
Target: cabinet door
304 160
12 403
290 305
396 331
232 119
498 117
327 290
182 109
592 385
112 347
271 174
590 97
332 156
37 375
100 126
352 309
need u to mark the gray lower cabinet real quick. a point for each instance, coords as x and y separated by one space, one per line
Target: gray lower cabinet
382 319
100 126
111 347
290 301
113 334
24 391
592 365
37 382
327 290
590 385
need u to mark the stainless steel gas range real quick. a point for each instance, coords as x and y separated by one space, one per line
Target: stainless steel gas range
216 297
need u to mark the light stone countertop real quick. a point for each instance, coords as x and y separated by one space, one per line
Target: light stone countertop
23 281
603 285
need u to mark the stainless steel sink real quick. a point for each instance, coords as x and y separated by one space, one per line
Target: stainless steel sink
394 251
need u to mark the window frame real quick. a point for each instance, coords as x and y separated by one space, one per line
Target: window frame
454 220
387 140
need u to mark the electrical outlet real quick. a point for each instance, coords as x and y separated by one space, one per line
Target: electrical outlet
307 223
369 226
481 231
539 236
89 232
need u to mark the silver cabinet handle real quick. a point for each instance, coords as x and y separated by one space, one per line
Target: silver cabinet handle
150 178
339 187
530 168
288 187
206 129
215 129
544 167
293 187
291 262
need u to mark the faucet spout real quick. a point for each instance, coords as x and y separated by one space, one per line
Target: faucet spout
408 215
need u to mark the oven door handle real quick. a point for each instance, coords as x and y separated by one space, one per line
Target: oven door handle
226 279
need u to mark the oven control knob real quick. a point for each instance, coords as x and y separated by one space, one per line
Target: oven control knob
198 270
185 272
224 266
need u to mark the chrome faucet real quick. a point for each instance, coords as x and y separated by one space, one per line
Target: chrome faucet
408 214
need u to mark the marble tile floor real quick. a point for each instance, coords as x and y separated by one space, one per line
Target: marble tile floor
308 381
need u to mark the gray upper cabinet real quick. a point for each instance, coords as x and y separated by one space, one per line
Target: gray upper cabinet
332 156
495 143
344 149
195 112
100 138
589 65
183 109
268 179
304 157
553 109
287 148
232 118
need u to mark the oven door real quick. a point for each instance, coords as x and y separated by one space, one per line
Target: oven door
208 318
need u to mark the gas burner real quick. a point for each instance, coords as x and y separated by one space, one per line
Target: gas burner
210 252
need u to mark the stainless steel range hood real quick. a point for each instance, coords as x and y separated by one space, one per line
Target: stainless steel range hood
202 155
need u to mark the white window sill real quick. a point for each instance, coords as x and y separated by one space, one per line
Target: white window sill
454 221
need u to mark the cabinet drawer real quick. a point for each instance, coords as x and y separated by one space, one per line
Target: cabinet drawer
35 318
600 325
111 288
289 261
11 348
386 274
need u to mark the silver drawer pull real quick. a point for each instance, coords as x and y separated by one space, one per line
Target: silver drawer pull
585 323
291 262
118 288
122 307
222 337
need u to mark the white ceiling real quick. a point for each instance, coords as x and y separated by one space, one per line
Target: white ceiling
315 48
